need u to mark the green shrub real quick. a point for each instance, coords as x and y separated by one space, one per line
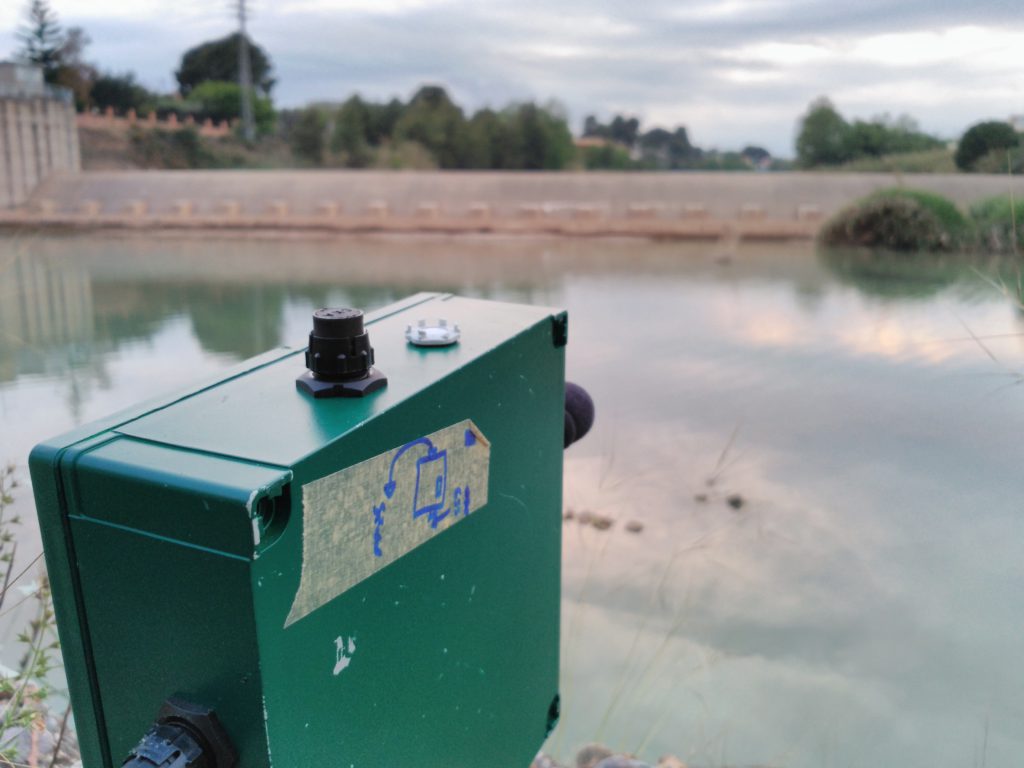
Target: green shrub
182 149
943 209
167 106
1001 161
609 157
982 138
306 135
899 220
122 93
1000 225
927 161
218 100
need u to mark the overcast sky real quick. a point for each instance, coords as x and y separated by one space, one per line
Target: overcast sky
734 72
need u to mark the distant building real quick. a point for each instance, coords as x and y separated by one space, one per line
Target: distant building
38 134
592 142
1017 121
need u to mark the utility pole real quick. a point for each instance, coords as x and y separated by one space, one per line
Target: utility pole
245 75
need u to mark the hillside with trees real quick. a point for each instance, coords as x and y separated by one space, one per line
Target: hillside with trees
431 130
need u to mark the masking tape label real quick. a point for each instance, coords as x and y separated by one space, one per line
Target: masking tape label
365 517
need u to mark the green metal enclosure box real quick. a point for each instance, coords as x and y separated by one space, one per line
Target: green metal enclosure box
358 582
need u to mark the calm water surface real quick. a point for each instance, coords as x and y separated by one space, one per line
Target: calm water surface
864 605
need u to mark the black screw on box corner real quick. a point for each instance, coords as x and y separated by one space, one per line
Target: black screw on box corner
339 357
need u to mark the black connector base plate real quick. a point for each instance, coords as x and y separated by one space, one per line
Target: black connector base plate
318 388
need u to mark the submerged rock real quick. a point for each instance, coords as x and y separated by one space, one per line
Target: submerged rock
634 526
621 761
544 761
594 520
591 755
735 501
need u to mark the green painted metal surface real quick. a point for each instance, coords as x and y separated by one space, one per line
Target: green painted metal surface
174 539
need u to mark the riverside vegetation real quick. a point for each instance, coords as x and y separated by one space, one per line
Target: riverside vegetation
30 734
901 219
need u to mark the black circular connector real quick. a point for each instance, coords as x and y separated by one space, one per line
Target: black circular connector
339 346
340 358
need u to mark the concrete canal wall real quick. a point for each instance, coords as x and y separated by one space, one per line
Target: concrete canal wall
680 205
38 134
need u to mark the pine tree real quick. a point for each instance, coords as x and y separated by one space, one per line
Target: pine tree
41 38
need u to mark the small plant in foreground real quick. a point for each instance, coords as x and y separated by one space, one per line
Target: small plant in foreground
1000 224
23 691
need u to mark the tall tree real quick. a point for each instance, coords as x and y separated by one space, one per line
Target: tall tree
121 92
306 136
668 150
823 137
218 60
73 71
435 121
41 38
624 130
485 140
351 125
381 120
538 138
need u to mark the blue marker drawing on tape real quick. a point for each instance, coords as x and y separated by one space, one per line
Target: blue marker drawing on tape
430 494
390 504
378 523
431 484
389 486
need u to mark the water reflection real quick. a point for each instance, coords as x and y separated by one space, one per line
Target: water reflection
861 606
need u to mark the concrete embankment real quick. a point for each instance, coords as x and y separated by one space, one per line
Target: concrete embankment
672 205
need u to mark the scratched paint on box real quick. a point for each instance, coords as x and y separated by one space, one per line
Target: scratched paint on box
365 517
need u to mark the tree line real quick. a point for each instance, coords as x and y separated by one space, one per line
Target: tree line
825 138
431 130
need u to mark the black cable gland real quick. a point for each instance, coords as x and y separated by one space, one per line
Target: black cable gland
340 358
339 347
167 746
185 735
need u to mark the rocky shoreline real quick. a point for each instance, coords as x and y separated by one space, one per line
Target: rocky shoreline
50 742
600 756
